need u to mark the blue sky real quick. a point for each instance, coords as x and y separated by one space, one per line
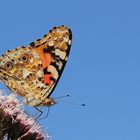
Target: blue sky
103 69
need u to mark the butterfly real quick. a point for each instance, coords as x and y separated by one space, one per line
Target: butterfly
34 71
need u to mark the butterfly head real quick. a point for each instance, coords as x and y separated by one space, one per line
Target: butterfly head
49 102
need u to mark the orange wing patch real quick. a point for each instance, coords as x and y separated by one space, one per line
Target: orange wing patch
46 61
46 58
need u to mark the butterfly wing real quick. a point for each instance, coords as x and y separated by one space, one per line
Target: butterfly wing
34 71
53 50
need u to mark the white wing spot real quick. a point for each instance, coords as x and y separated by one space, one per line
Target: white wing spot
53 70
51 43
60 53
69 42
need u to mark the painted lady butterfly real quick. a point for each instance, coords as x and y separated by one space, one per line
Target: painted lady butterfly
34 71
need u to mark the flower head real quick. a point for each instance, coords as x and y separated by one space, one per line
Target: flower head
15 124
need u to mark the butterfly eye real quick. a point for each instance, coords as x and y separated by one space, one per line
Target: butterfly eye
24 58
8 65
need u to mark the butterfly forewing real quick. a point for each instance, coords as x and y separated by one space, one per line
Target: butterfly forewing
53 50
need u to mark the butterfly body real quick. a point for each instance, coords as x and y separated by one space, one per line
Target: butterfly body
33 71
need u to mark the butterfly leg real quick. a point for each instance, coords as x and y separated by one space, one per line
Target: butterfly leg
40 111
47 113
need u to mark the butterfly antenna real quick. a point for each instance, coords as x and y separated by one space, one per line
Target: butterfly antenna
72 103
64 96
